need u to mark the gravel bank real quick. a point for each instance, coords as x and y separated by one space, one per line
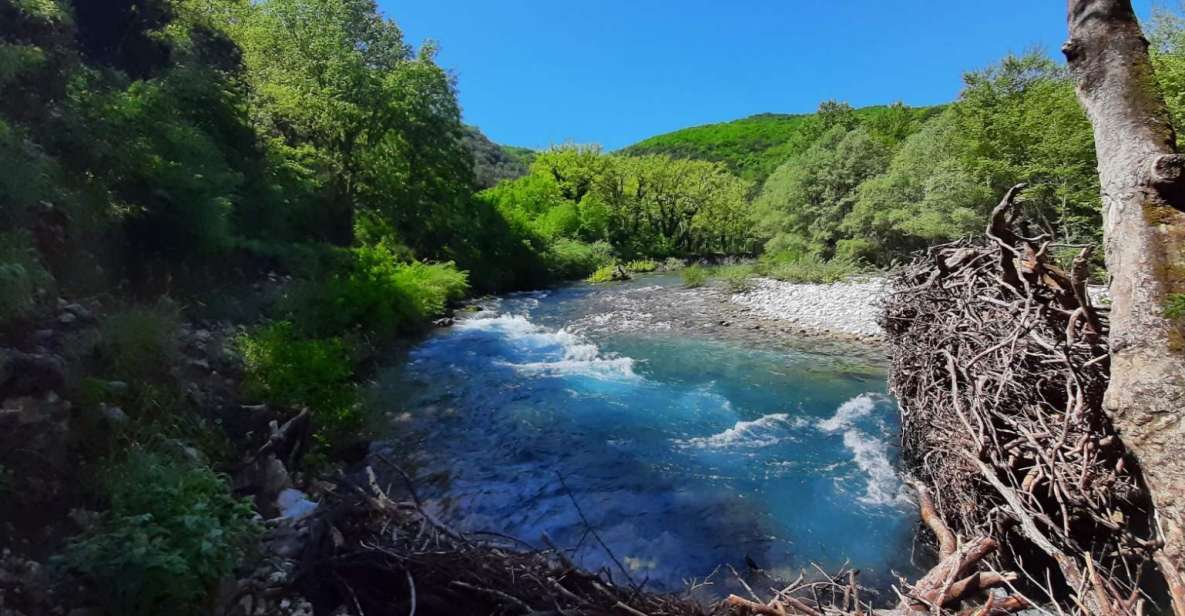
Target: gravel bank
848 309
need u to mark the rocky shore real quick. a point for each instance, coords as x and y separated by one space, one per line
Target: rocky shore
847 309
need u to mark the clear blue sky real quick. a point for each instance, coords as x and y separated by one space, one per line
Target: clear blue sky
540 72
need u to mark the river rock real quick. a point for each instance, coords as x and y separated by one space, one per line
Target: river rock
850 308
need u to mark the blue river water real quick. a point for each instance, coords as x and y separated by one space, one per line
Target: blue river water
685 449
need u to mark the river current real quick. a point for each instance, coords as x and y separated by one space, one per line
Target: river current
686 448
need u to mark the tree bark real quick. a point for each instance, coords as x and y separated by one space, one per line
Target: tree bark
1142 178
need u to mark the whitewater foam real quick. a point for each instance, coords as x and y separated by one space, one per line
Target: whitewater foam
870 454
553 353
762 432
849 412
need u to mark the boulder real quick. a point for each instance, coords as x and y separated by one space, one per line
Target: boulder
23 374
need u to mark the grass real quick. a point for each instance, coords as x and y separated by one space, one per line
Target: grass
812 269
1174 307
736 278
694 276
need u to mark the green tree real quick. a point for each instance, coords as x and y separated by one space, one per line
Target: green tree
925 195
322 70
1019 121
808 197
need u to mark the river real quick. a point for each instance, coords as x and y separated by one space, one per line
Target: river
686 446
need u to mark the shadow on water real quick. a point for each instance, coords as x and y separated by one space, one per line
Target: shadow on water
685 449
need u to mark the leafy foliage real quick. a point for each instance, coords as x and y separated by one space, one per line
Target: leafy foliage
568 258
375 292
286 369
875 191
810 196
172 532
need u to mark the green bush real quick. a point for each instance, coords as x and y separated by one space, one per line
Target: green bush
856 249
569 259
694 276
172 533
641 266
23 280
286 369
605 273
813 269
139 344
378 294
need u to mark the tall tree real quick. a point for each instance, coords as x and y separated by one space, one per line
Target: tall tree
323 69
1143 190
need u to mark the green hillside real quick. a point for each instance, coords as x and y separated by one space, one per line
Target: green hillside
754 146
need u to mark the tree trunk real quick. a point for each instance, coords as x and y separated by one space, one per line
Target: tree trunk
1142 179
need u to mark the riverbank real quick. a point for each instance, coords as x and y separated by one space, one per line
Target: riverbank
768 311
848 310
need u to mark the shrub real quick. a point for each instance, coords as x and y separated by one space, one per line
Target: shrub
139 344
641 266
172 533
429 287
378 294
286 369
570 259
813 269
694 276
23 280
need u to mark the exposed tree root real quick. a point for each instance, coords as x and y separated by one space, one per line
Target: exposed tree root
1000 362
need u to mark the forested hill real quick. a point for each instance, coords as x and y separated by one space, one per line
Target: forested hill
493 162
753 147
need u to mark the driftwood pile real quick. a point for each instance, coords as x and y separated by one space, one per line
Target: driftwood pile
369 553
1000 362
